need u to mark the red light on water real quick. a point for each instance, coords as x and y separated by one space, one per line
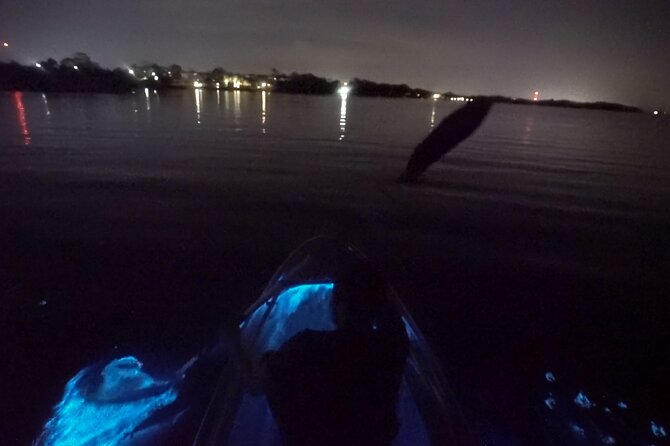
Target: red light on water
21 112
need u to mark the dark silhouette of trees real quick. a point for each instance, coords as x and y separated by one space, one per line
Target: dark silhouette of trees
175 71
217 74
50 65
305 84
363 87
87 77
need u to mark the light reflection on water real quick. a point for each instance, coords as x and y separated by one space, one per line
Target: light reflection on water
198 104
529 124
263 110
21 114
237 110
147 99
46 105
343 114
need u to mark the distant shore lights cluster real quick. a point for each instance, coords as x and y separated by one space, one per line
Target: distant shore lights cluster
344 89
460 99
536 95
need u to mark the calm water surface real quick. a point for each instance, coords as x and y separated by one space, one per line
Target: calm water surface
141 224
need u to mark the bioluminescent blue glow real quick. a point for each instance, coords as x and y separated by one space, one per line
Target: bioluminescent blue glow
608 439
550 402
296 309
549 376
622 405
108 413
658 430
578 430
608 410
583 401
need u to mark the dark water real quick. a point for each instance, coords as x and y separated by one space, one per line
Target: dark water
141 224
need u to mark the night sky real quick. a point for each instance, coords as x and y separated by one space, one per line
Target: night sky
585 50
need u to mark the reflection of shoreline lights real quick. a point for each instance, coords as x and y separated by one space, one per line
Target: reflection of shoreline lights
432 117
146 95
344 92
198 104
46 104
197 84
263 108
21 111
236 107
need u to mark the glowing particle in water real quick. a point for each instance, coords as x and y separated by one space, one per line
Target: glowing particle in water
608 439
583 401
577 430
608 410
658 430
622 405
549 376
42 303
550 402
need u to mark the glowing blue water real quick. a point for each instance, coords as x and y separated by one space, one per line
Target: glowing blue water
302 307
108 414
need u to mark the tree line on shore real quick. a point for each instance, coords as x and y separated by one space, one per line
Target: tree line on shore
79 73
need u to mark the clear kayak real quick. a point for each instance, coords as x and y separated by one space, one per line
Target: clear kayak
298 305
327 355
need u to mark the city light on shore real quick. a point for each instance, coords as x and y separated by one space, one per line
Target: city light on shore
5 44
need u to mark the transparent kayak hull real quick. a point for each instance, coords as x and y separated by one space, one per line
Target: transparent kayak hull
298 298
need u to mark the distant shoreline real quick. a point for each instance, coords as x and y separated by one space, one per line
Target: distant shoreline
83 76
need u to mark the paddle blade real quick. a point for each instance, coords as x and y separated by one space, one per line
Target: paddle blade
448 134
